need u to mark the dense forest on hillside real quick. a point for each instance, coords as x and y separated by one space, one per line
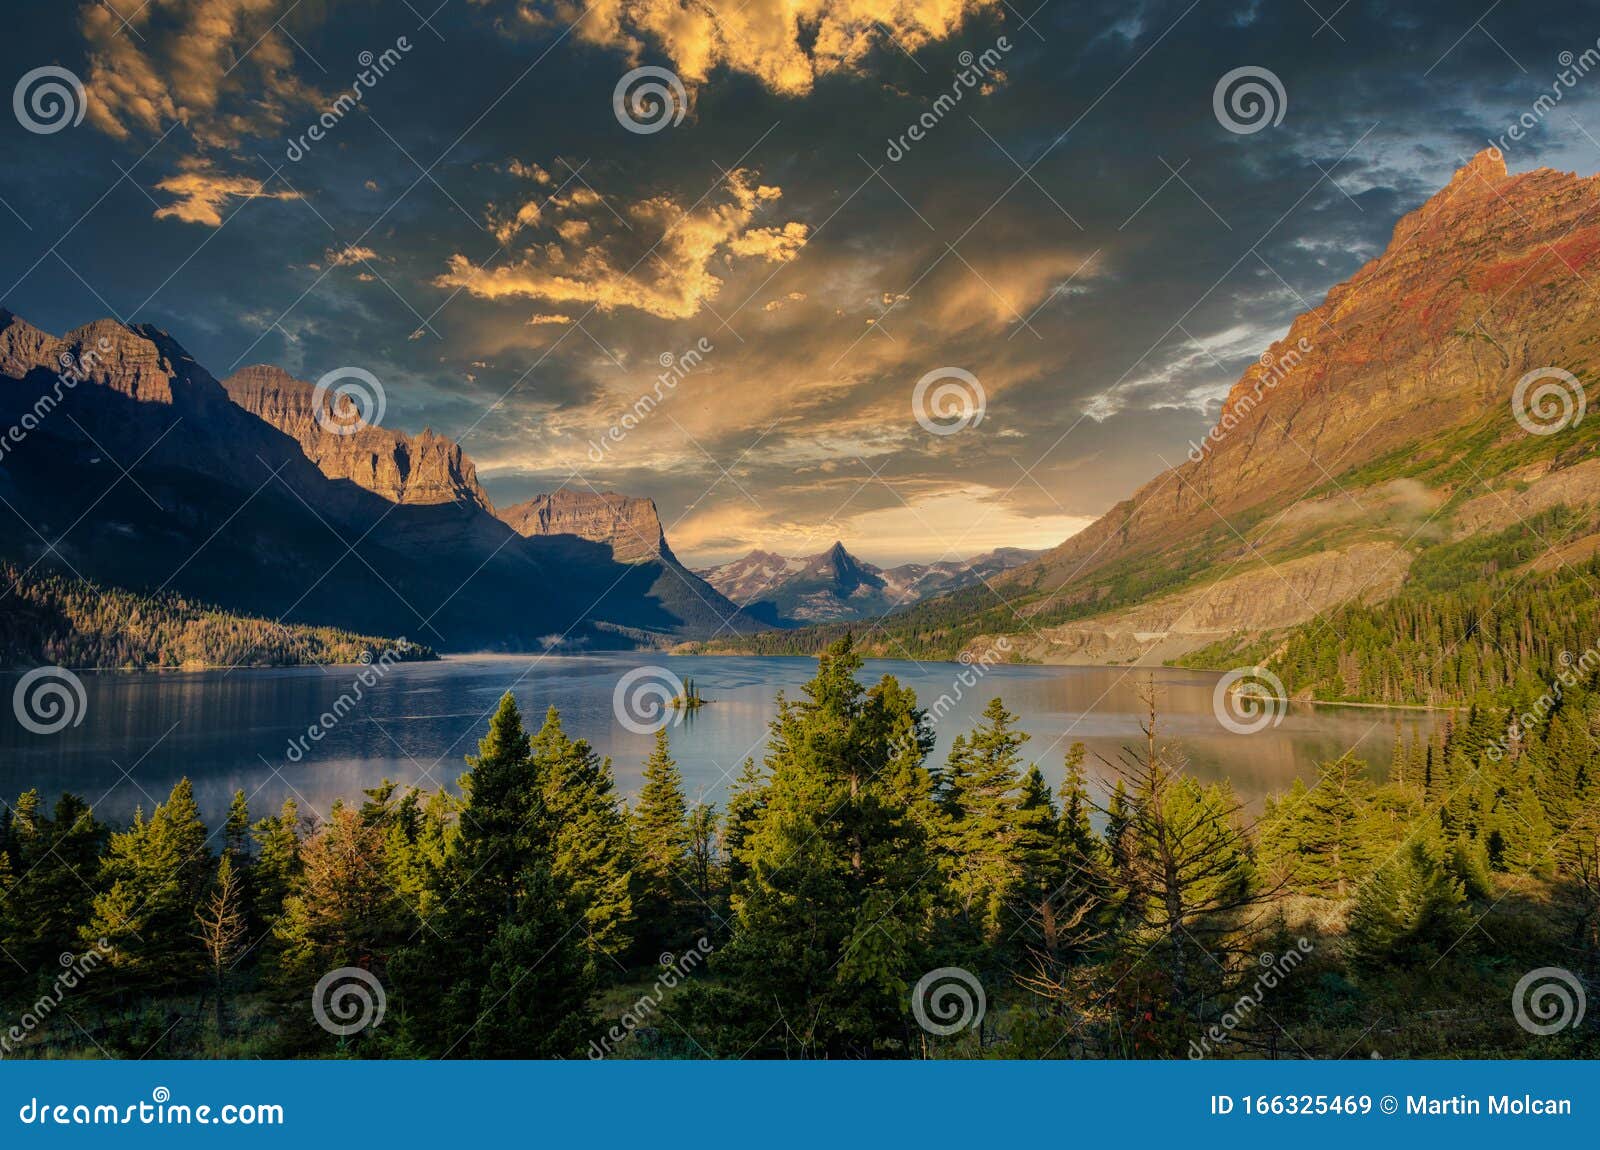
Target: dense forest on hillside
1476 619
853 899
51 618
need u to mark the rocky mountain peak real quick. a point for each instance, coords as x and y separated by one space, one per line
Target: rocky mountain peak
139 361
422 469
629 525
1485 281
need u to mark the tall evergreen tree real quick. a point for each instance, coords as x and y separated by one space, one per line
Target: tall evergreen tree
663 895
592 857
977 791
500 971
53 864
1324 838
151 881
832 912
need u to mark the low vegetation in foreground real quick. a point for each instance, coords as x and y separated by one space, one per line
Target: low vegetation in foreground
852 900
51 618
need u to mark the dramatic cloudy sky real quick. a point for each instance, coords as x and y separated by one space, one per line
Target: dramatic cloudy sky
1080 231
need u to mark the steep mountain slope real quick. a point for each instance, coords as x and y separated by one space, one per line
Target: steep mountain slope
629 525
136 468
422 470
835 585
1384 422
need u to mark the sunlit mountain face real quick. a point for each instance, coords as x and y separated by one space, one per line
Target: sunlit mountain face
930 279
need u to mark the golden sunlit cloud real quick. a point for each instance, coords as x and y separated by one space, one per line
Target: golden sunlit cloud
201 191
950 524
786 44
352 254
653 256
223 68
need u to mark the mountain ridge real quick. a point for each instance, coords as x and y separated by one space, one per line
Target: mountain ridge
152 477
836 585
1348 448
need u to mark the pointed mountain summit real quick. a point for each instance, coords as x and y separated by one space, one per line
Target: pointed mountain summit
835 585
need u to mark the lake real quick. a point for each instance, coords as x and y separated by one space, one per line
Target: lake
140 732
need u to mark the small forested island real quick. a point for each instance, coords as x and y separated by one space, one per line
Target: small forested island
689 699
52 618
853 899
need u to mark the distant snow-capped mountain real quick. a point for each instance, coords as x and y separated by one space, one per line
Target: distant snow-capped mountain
835 585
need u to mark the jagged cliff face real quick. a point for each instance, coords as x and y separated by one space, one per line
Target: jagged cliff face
422 469
1488 280
140 470
629 525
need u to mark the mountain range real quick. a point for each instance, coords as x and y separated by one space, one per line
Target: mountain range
1397 437
131 465
1406 433
834 585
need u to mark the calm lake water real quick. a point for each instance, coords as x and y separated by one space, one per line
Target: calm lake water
232 730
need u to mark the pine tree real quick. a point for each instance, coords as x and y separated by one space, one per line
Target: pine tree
704 865
276 867
1033 908
832 911
340 911
977 791
236 830
152 879
1410 913
747 801
499 971
661 842
53 862
591 837
1190 887
1324 838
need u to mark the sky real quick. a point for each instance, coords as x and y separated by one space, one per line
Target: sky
925 276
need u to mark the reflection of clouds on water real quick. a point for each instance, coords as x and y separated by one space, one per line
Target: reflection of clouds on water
426 717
